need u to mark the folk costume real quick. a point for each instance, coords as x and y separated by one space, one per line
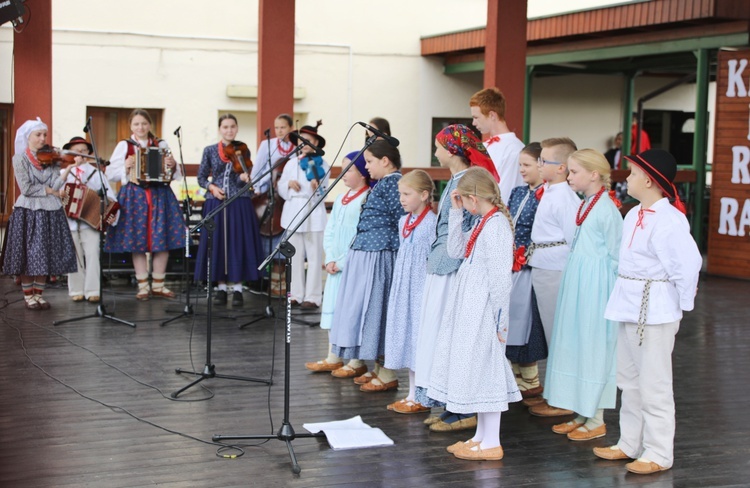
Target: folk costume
581 364
359 317
85 282
470 372
308 240
657 280
236 240
38 241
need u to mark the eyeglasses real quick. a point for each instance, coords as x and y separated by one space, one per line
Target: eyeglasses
542 161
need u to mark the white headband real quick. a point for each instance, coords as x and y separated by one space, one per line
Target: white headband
23 133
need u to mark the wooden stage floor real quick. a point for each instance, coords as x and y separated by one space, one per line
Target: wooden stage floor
87 404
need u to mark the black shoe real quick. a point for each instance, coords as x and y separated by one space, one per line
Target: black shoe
237 299
220 298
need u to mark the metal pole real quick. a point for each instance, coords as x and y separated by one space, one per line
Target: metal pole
697 224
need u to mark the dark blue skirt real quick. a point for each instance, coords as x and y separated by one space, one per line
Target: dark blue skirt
150 221
536 349
39 243
237 249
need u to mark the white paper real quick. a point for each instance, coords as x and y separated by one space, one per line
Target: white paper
352 433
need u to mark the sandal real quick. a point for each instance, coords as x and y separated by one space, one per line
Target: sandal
43 304
159 290
32 304
143 290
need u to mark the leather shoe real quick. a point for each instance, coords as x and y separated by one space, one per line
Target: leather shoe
547 410
323 366
349 372
612 453
379 386
295 303
583 433
391 406
463 424
94 299
566 427
533 392
476 453
365 378
410 407
644 467
237 299
77 298
431 420
220 298
308 306
461 445
530 402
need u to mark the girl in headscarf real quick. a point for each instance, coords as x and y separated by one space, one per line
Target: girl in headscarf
38 240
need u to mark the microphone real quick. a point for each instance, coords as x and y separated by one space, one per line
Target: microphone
296 139
88 124
391 140
267 133
177 131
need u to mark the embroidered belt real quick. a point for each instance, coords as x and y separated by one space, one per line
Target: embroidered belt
644 301
534 246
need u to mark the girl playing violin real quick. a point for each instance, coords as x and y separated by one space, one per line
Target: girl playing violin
300 179
236 243
150 216
38 241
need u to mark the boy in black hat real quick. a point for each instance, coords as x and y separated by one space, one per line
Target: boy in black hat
657 279
84 283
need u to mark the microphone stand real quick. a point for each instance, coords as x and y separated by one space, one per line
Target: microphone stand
268 312
101 311
286 431
209 370
187 211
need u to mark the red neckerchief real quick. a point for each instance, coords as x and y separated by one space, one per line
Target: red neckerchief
491 140
222 155
477 230
346 199
33 160
539 192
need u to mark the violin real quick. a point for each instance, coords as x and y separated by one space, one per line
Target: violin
48 155
239 155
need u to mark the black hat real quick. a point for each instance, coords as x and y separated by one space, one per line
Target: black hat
313 131
661 166
78 140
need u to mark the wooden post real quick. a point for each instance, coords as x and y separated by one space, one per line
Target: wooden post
505 57
275 62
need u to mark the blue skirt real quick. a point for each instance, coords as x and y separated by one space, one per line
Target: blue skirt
236 244
359 317
150 221
39 243
536 349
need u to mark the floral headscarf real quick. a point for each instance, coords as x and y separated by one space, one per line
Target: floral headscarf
461 141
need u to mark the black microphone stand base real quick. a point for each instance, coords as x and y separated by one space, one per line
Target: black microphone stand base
209 371
286 432
100 312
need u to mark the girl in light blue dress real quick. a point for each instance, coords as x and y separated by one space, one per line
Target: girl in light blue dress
338 236
581 363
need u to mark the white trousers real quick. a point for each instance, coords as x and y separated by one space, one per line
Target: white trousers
85 281
310 288
546 283
644 374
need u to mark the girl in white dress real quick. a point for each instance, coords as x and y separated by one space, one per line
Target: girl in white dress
470 372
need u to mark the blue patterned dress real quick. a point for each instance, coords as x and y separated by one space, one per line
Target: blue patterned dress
405 299
236 244
522 205
359 318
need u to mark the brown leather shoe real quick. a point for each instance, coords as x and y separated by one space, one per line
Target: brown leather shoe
643 467
347 371
77 298
410 407
612 453
323 366
365 378
431 420
461 445
530 402
373 386
463 424
566 427
94 299
546 410
308 306
533 392
583 433
391 406
476 453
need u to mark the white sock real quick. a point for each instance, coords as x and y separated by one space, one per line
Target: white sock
596 421
222 287
491 428
238 287
479 434
412 387
356 363
386 375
